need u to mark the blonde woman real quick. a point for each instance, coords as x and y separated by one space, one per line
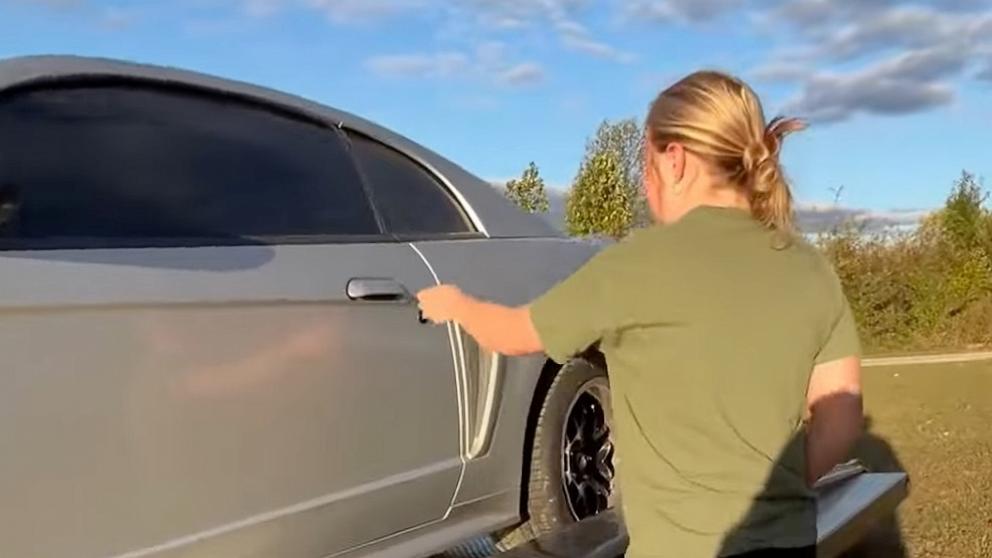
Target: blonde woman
722 331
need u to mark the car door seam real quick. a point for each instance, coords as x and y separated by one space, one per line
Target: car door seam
458 357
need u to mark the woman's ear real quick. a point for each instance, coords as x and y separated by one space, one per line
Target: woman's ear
675 161
658 169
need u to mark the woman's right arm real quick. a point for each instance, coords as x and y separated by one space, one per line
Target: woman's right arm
836 418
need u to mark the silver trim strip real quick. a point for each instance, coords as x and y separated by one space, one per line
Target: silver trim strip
487 422
458 358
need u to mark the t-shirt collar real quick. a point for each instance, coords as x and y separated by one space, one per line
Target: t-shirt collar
717 212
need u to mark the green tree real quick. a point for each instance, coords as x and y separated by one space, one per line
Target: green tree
606 196
964 221
527 192
625 139
600 201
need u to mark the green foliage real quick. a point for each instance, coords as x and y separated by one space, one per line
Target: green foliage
964 220
527 192
600 201
611 170
624 139
926 289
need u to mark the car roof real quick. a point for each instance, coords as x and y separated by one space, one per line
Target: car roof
488 208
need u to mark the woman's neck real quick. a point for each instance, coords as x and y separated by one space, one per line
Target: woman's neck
723 197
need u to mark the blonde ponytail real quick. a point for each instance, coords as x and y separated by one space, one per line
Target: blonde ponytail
766 186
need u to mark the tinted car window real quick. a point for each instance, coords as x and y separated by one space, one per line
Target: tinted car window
142 162
410 200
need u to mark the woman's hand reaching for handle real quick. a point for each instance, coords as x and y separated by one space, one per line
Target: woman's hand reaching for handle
441 304
502 329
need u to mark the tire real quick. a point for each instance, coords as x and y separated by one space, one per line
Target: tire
552 501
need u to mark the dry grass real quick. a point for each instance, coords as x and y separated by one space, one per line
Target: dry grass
934 421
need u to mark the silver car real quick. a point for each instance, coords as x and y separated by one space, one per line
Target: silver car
210 344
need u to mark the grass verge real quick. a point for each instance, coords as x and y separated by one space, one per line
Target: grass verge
934 421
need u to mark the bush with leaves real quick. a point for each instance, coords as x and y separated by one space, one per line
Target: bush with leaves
964 221
527 192
927 289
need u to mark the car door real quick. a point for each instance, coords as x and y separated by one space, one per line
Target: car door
210 348
416 206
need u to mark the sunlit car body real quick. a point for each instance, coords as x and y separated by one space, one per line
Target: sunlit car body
210 346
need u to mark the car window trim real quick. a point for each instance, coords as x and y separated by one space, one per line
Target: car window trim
438 237
452 193
98 80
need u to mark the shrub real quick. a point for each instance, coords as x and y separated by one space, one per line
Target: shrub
926 289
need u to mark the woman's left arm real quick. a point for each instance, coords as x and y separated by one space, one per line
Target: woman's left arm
506 330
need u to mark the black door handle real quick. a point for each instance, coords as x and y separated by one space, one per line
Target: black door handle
377 290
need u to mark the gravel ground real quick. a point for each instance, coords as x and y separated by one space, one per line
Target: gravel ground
935 422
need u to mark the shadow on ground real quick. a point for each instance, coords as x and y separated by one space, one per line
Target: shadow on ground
764 520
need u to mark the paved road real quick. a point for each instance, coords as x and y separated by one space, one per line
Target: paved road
928 359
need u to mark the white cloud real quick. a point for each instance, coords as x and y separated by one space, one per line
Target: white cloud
850 57
351 11
781 71
262 8
906 58
896 28
487 62
570 27
482 18
834 97
843 57
440 64
597 49
560 16
690 11
985 74
526 73
906 83
575 36
818 218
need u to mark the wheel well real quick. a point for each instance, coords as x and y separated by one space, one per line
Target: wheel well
548 373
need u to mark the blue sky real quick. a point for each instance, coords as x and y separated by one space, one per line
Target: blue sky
899 93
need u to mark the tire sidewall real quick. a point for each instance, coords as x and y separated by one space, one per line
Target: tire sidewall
547 500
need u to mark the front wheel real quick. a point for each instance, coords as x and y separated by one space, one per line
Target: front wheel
572 455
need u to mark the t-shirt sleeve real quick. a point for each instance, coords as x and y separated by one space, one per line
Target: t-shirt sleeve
842 340
576 313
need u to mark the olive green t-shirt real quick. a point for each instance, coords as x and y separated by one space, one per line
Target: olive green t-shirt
710 327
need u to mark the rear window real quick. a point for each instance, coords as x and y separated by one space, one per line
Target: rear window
130 162
410 199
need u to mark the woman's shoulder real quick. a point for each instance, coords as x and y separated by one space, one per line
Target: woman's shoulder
816 263
808 249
